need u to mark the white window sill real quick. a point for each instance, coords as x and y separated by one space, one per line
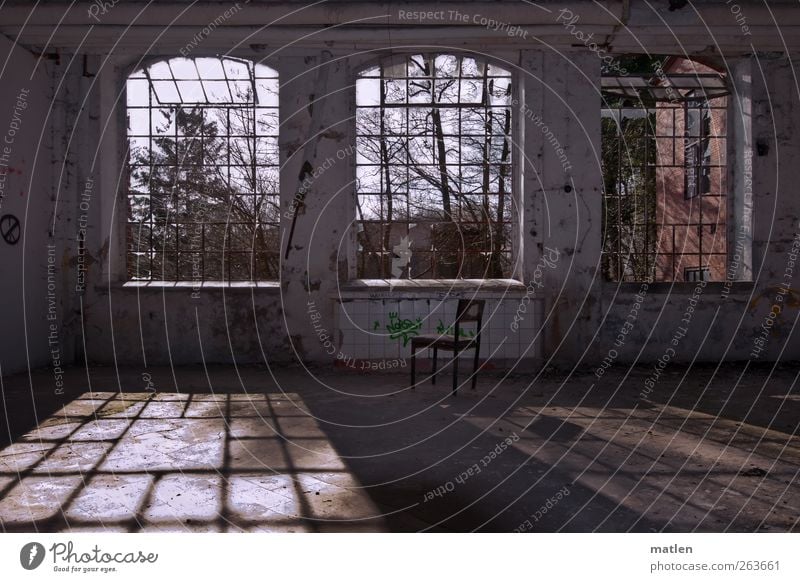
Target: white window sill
192 286
678 287
430 289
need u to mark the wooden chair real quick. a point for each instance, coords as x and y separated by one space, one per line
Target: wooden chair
468 311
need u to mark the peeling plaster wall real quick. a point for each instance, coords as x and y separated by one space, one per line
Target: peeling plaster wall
25 152
558 173
169 326
561 210
318 104
562 197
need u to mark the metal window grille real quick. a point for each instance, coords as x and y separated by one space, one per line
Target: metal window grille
434 182
697 158
203 192
695 274
664 174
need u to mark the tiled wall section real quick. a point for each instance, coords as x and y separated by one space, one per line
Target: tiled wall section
373 329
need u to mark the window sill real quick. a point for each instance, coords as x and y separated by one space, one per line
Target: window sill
191 286
430 289
679 287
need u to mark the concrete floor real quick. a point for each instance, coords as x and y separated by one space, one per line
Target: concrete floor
249 449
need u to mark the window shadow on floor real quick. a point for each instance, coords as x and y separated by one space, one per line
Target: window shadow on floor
180 462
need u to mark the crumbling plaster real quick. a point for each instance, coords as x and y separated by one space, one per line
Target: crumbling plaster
81 101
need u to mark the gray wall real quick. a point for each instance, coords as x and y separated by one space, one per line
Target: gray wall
27 194
582 316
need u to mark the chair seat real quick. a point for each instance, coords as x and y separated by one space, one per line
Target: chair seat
443 341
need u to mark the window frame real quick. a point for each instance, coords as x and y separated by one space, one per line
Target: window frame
505 61
686 103
122 271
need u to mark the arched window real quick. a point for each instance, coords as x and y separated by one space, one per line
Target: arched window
434 180
203 195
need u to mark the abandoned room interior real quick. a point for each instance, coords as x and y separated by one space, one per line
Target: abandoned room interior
399 266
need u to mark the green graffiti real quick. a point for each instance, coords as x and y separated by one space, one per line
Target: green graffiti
402 328
442 330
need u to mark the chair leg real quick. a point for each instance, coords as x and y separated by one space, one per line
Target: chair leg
435 356
413 367
475 367
455 372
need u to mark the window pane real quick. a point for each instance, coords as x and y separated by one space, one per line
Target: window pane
203 183
664 183
423 158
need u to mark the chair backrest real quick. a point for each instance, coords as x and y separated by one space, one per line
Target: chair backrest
469 311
